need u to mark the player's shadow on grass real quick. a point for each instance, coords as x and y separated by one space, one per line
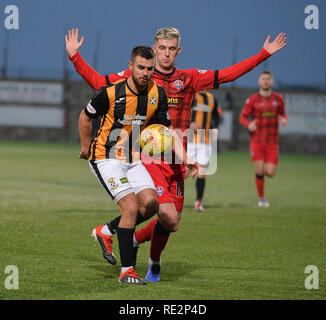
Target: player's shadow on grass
173 270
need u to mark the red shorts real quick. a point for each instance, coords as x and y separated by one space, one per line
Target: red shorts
264 151
169 182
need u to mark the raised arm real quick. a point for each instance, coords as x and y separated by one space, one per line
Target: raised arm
94 79
237 70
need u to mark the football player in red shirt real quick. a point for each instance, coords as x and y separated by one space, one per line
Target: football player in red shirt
266 109
180 87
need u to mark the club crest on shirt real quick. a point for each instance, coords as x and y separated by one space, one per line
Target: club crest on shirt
152 100
178 84
274 103
120 73
159 190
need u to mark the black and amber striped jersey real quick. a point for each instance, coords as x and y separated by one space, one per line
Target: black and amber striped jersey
206 114
123 115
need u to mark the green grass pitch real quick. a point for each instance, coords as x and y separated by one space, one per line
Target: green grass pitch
50 202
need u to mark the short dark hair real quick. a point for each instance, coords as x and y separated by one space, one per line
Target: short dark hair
142 51
266 72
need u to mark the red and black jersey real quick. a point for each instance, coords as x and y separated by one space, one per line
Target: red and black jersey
266 111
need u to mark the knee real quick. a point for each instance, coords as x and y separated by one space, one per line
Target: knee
174 227
269 174
169 221
131 211
150 207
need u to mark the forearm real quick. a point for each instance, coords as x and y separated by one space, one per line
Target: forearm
237 70
244 120
94 79
84 131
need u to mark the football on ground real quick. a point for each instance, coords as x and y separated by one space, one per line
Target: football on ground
156 140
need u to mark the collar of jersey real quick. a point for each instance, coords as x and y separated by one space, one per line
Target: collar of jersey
165 74
137 94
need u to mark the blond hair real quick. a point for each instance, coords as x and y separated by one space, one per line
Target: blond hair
167 33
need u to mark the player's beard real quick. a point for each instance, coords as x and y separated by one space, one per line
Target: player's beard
139 85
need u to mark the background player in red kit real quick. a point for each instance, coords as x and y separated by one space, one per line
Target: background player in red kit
266 109
180 87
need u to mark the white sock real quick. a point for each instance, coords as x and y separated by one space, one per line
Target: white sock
105 230
125 269
151 262
136 244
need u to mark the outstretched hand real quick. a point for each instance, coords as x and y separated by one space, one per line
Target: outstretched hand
72 43
278 44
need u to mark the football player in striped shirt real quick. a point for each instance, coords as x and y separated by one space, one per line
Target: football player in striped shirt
205 119
125 108
180 87
266 110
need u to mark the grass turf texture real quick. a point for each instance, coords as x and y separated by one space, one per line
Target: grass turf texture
49 203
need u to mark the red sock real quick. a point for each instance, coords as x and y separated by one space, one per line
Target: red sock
145 233
160 237
260 185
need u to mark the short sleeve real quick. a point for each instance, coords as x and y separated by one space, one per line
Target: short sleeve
99 105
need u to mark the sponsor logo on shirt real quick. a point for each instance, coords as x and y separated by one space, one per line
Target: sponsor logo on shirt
173 102
178 84
202 107
268 114
133 119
